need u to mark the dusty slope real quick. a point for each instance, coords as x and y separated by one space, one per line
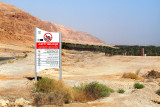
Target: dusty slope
17 27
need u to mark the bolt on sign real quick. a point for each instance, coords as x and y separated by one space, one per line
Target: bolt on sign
47 51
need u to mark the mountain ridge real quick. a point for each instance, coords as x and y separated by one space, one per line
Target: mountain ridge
17 27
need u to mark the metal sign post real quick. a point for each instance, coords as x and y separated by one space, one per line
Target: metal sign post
47 51
60 58
35 54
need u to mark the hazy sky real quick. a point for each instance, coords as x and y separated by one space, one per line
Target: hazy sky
125 22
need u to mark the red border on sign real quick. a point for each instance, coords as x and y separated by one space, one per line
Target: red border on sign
47 45
48 38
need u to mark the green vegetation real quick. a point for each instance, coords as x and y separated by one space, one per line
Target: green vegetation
83 47
136 50
120 50
111 90
121 91
92 91
138 86
130 75
51 92
45 85
97 90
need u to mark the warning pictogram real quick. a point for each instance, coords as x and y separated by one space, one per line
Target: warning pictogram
47 37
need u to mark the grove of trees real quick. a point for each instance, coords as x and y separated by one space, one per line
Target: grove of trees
119 50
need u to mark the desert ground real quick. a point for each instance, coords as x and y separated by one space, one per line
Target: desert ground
83 67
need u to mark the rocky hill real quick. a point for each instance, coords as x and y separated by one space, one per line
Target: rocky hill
17 27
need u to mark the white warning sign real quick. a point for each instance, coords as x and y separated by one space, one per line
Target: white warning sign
47 50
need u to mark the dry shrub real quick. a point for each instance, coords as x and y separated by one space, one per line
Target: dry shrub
158 92
19 58
63 54
130 75
80 96
91 91
11 61
140 78
52 92
48 99
152 74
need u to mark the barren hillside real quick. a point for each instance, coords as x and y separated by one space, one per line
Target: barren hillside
17 27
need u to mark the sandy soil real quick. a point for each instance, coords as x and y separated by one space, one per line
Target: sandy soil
80 67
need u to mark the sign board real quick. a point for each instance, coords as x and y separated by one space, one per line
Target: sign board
47 50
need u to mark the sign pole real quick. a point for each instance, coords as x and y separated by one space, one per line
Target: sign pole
60 58
35 54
